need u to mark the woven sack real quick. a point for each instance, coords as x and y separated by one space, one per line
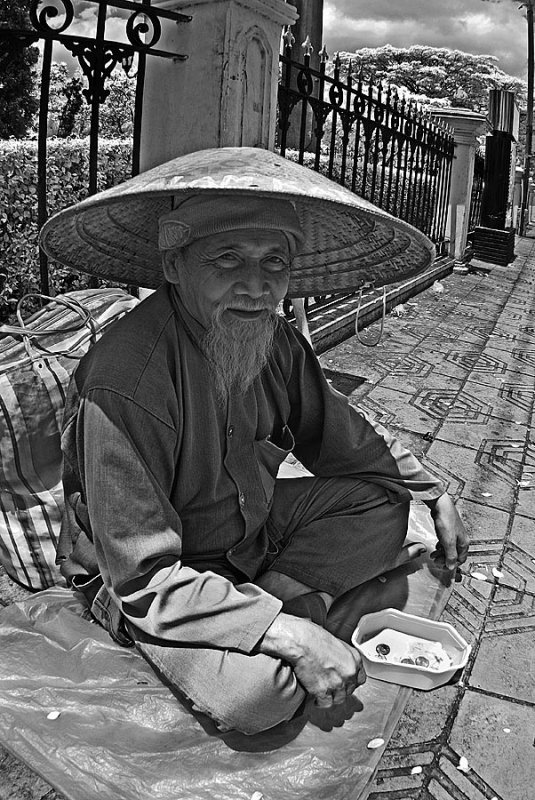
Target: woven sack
36 361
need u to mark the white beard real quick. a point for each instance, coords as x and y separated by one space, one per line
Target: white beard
238 350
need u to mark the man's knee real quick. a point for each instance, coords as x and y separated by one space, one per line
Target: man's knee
264 695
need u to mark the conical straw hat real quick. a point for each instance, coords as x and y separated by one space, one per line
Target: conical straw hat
348 241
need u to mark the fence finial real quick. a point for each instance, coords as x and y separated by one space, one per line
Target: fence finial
307 46
288 37
324 55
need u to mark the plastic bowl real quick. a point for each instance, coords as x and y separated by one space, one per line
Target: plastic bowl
417 677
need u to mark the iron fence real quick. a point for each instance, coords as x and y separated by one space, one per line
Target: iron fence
477 193
368 138
55 21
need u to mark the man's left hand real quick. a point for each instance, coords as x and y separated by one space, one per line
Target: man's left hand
452 547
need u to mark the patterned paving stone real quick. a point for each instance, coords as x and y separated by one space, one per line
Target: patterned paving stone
450 783
466 337
392 407
423 377
410 365
526 503
422 724
488 526
409 334
416 742
485 362
518 566
359 361
441 401
487 475
481 328
503 457
517 397
513 606
513 375
505 665
526 489
522 537
466 612
523 334
471 432
525 357
501 762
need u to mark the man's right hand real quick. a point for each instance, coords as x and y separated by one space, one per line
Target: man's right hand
328 669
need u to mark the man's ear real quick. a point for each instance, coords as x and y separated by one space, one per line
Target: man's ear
173 265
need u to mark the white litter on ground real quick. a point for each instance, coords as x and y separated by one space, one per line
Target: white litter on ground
373 744
463 764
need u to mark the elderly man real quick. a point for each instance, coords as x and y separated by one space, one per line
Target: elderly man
179 532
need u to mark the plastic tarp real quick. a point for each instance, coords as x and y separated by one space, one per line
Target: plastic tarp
92 719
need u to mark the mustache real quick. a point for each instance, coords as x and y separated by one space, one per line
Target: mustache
243 304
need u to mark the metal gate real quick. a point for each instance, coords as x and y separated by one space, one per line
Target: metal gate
55 21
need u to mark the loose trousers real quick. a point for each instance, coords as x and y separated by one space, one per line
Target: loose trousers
332 534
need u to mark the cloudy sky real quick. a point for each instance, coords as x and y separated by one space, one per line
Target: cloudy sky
474 26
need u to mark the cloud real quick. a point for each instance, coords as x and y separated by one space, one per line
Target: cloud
473 26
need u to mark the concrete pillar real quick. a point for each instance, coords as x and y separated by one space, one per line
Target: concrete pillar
517 197
467 126
225 93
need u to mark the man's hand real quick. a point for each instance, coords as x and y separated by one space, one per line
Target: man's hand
452 547
327 668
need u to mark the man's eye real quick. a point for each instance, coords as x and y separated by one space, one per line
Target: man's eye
226 260
276 264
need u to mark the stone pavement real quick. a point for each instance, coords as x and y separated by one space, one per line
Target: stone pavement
453 377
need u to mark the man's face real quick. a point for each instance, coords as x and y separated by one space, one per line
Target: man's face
243 272
232 283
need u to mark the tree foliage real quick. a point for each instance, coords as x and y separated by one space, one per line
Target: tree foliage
67 180
18 102
434 75
70 111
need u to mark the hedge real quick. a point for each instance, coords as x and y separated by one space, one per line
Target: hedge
67 182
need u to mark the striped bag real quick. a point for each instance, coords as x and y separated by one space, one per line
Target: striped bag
36 361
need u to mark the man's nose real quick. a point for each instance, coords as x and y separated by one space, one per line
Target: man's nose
253 281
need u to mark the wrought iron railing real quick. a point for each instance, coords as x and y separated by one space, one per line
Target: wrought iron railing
54 21
376 143
474 219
